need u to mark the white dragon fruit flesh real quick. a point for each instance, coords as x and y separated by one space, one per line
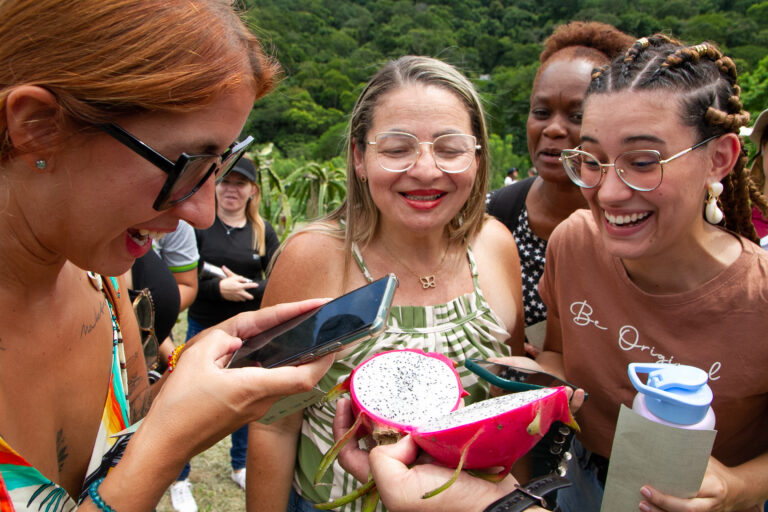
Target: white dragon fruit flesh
426 386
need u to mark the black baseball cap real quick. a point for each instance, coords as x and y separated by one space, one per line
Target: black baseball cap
246 168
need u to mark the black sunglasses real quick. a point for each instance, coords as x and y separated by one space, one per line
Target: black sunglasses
515 378
188 173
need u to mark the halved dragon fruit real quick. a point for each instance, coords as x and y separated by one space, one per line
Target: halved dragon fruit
426 386
409 391
503 428
391 392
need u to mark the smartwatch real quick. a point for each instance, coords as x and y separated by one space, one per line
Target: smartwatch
532 493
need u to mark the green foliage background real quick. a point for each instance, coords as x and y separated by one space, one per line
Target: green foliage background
330 48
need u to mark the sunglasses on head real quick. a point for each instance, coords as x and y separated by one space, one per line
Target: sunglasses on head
515 378
144 308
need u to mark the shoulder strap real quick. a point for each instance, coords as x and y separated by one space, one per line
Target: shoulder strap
112 291
507 203
357 255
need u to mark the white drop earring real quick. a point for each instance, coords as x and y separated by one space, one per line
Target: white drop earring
712 212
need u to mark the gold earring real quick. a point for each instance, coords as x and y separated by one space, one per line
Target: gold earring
363 178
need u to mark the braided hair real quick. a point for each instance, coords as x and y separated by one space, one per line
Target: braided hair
710 99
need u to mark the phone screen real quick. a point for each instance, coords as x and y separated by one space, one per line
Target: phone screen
358 314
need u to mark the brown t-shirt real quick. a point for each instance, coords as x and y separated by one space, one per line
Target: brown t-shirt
607 322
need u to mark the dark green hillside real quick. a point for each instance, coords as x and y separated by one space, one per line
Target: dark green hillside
330 48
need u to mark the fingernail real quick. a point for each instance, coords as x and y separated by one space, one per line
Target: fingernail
644 507
646 492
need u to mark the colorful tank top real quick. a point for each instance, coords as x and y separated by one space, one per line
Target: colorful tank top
462 328
22 487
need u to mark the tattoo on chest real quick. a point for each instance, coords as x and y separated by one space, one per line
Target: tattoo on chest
61 449
86 329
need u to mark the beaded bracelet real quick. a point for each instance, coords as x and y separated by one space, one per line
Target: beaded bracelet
173 359
93 492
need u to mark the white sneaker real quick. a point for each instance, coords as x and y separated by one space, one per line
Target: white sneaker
181 497
238 476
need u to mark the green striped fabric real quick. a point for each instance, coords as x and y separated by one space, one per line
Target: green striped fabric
462 328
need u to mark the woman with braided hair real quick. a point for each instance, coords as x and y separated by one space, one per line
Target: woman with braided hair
662 267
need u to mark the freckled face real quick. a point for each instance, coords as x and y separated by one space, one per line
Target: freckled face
424 198
554 119
666 221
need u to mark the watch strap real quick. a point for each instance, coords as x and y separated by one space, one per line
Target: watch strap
532 493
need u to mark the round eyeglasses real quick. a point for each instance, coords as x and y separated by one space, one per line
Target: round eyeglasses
188 173
452 152
641 169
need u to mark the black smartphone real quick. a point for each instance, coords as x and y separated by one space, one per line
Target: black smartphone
514 378
346 320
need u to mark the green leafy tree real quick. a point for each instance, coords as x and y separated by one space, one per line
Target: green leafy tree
506 153
330 48
754 87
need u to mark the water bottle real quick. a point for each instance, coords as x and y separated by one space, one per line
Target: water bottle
646 451
674 395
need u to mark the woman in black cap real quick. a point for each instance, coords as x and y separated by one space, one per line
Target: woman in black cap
234 254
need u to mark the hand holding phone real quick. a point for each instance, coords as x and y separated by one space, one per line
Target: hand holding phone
344 321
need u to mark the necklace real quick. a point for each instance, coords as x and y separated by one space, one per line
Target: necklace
227 227
428 281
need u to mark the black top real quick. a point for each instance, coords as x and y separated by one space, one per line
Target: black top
151 272
231 247
508 205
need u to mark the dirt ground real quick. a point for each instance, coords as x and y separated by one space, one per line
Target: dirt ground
212 487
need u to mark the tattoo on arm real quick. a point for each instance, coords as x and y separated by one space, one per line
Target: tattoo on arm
139 394
61 449
140 406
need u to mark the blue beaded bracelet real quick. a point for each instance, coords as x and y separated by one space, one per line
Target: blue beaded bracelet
93 492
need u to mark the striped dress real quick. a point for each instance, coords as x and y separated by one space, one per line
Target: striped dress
23 487
462 328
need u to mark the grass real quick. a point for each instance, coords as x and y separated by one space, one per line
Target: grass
212 487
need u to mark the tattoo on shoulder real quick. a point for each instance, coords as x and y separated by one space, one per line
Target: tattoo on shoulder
61 449
87 328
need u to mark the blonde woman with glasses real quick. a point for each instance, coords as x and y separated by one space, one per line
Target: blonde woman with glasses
417 172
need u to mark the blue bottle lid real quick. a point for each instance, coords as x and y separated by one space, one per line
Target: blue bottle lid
675 393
